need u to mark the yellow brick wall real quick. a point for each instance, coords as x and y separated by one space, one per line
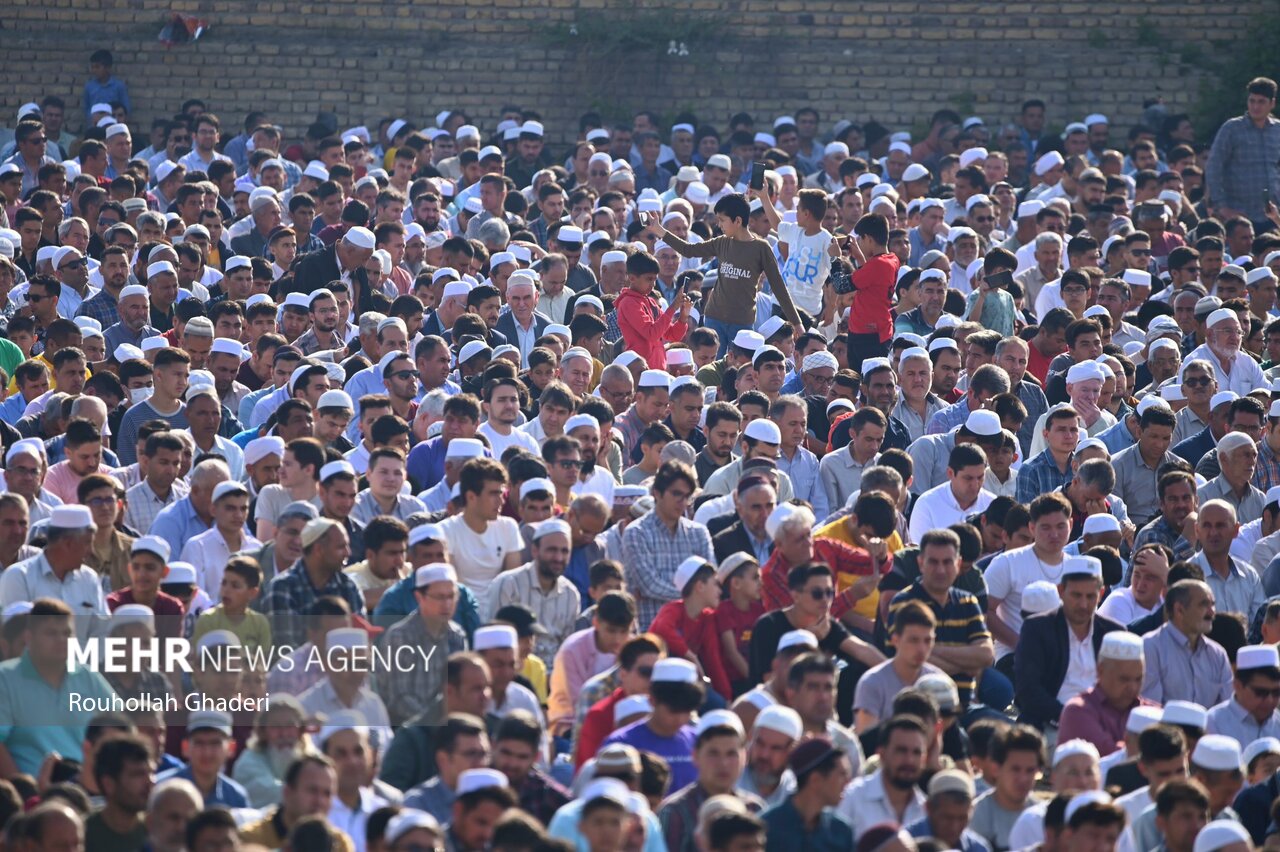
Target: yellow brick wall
891 61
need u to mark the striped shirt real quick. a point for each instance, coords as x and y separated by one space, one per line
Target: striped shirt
960 623
144 504
557 610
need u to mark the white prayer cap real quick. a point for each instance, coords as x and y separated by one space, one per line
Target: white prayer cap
117 129
61 255
1049 161
1221 315
1254 750
870 365
551 526
1223 398
972 155
655 379
764 430
719 161
133 614
71 517
1085 371
686 569
1095 118
1217 752
959 233
434 572
27 446
160 267
495 636
1040 596
259 448
1173 392
925 204
1233 441
1074 127
678 357
1257 657
866 179
673 670
631 705
1188 713
499 258
473 780
719 719
336 468
1072 748
1262 273
232 486
983 422
1101 523
613 257
932 275
883 202
914 172
151 544
1095 311
943 343
900 145
335 399
766 139
359 237
582 421
1089 797
1220 834
821 358
181 573
782 719
1028 209
1136 277
464 448
1082 565
1121 645
471 349
455 289
1141 718
763 351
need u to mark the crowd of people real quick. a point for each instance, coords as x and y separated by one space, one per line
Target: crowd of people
681 488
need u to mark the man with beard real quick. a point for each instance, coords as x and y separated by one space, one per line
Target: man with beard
541 585
502 409
592 479
723 422
122 768
517 747
1235 369
890 793
777 730
104 305
322 336
134 322
879 391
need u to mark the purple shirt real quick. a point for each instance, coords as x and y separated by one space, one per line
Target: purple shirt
426 462
677 751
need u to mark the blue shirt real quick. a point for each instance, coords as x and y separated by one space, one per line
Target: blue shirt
127 439
919 247
1117 437
37 718
1039 476
226 792
114 91
677 751
787 833
970 840
426 462
949 418
177 524
398 601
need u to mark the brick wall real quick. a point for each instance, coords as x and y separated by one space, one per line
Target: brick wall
891 61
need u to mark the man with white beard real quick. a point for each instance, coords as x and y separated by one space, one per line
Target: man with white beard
1236 371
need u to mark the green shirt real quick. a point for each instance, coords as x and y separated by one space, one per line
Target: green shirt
253 631
36 718
100 838
10 356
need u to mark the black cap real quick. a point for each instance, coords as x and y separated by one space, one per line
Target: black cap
522 619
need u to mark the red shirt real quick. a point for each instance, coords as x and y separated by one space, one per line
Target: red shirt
873 283
596 725
731 619
698 635
847 564
168 609
1037 364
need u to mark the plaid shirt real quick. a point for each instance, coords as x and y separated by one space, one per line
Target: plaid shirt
290 594
630 427
103 307
1242 164
1040 475
408 693
1268 472
144 505
651 554
949 418
595 690
678 814
541 795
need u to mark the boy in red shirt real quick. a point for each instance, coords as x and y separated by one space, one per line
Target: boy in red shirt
688 625
148 566
737 614
872 281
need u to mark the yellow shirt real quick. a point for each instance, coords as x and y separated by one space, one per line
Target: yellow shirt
535 671
53 381
253 631
838 530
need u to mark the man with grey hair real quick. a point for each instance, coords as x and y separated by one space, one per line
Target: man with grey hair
171 805
491 231
1236 369
59 571
94 410
523 324
1238 460
987 381
193 514
265 211
1048 265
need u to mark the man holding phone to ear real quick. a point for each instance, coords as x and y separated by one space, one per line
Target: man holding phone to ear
990 302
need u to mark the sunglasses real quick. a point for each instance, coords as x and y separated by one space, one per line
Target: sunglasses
400 374
1264 693
644 671
75 264
1140 252
822 594
1201 382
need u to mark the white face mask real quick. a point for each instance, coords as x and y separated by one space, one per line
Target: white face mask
137 395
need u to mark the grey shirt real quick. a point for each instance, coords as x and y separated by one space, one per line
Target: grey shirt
1136 483
1239 592
1176 672
930 455
1232 720
994 822
1248 508
880 685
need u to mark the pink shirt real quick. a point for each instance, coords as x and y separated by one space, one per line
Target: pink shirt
577 662
61 481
